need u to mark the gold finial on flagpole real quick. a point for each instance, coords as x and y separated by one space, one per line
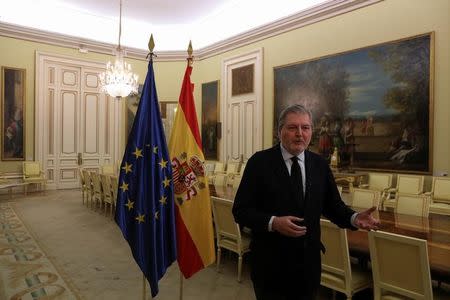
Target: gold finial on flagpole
151 46
190 58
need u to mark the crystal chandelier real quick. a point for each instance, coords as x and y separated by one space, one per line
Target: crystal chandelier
118 80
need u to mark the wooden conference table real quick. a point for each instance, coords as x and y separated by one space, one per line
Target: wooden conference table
435 229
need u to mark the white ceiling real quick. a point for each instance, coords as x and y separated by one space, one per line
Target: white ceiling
172 22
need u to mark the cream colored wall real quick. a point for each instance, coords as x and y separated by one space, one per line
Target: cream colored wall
21 54
385 21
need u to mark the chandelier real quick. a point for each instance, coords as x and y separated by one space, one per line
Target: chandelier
118 80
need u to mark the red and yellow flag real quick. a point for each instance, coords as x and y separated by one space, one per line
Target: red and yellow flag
195 237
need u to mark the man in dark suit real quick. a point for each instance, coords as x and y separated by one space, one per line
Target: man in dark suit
282 195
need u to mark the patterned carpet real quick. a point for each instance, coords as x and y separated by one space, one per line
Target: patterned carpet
25 270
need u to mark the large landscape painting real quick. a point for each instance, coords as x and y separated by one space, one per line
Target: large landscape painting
373 105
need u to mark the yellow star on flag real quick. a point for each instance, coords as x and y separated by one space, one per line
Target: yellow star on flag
138 153
124 186
163 163
155 149
127 168
166 182
157 215
163 200
130 204
140 218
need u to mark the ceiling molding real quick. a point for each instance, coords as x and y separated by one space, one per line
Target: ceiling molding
313 15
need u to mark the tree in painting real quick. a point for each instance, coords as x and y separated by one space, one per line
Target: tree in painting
408 65
372 104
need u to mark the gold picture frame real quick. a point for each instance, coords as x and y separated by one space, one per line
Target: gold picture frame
210 119
12 109
374 104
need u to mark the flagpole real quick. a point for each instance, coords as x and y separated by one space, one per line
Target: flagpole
181 285
190 60
144 287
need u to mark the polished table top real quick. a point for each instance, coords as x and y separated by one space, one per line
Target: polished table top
435 229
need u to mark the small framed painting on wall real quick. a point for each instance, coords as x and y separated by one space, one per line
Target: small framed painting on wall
12 112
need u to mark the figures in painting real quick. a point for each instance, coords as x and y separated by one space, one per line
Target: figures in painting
324 137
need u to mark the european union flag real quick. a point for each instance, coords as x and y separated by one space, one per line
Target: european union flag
145 207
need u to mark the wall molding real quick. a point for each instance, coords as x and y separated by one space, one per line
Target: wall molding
310 16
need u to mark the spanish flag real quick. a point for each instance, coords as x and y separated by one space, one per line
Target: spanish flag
193 218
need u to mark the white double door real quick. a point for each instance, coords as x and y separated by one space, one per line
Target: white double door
76 124
242 114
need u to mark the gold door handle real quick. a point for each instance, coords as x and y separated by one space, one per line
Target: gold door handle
80 159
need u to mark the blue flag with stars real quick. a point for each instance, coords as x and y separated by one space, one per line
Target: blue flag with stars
145 206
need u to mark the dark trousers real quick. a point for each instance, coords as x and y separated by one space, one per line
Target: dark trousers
270 293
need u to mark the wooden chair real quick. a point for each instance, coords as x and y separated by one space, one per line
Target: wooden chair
114 190
347 182
219 169
32 174
400 266
381 182
242 169
416 205
107 192
228 233
209 169
232 170
440 196
97 195
363 198
337 272
108 169
118 166
220 180
406 184
236 181
83 186
89 186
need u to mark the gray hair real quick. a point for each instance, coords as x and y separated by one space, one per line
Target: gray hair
294 108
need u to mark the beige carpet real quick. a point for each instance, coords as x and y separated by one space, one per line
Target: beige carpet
25 270
82 255
90 253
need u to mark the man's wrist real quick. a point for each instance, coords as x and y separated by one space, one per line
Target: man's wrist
353 220
269 226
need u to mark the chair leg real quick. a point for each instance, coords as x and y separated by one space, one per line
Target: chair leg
218 257
25 189
239 267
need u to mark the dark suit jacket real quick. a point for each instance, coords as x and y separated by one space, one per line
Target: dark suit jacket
265 191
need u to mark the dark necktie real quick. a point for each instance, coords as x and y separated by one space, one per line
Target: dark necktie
296 181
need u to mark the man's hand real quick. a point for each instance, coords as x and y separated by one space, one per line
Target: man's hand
287 226
365 220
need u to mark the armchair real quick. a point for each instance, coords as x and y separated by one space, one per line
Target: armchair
381 182
400 266
406 184
228 233
440 196
32 174
337 272
108 169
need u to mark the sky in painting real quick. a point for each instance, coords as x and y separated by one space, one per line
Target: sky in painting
368 84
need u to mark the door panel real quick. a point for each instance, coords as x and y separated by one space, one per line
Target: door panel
74 120
243 107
